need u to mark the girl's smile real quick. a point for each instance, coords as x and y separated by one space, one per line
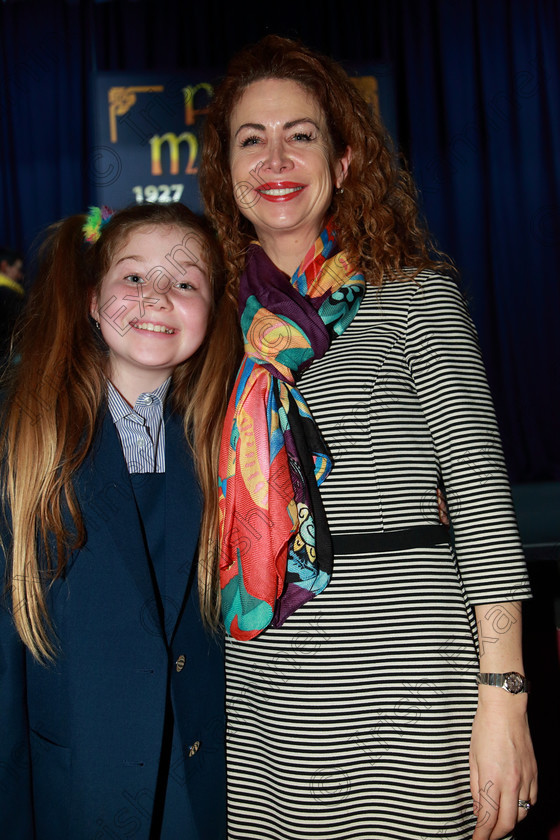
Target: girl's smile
153 307
149 326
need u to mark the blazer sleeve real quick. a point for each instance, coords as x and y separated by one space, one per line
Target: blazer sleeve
443 355
16 801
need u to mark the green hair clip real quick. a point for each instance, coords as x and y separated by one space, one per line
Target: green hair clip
96 220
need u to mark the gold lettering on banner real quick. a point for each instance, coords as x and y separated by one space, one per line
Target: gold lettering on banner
121 100
189 93
173 144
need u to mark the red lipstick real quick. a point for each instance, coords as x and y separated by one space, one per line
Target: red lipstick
280 190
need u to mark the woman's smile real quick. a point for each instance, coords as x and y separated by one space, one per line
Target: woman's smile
281 164
280 190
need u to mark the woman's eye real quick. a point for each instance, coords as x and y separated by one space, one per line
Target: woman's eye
303 136
135 279
250 141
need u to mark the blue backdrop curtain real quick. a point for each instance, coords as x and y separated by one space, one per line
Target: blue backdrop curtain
483 105
478 85
43 117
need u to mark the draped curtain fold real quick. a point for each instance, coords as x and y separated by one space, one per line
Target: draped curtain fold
478 87
483 85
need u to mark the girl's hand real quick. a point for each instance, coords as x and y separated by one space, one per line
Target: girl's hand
502 761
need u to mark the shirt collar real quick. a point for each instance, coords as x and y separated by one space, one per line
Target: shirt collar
119 407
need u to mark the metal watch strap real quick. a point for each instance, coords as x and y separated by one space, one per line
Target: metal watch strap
511 681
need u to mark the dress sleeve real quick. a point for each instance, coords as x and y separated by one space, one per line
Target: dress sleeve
16 807
443 355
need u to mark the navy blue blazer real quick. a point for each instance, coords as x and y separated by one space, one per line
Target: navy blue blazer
81 740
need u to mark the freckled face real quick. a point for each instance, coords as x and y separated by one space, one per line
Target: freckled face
153 306
279 160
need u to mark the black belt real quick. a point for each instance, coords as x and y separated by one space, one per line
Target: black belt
419 536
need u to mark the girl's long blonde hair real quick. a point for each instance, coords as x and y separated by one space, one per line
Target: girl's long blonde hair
53 403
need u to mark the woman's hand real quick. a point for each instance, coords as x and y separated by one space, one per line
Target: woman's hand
502 761
503 766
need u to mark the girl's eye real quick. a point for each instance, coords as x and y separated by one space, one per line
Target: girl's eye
135 279
185 285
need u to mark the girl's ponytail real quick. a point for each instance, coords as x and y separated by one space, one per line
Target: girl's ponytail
48 423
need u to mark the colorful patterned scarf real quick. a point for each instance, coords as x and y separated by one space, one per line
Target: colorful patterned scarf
276 551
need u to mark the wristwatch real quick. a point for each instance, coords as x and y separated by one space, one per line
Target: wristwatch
513 682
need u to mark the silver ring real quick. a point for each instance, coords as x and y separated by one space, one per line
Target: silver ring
523 803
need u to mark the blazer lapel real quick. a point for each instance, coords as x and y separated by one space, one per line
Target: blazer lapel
107 501
183 510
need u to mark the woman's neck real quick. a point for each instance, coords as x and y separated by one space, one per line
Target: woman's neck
287 250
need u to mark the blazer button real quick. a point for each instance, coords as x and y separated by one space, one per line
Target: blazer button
180 664
193 749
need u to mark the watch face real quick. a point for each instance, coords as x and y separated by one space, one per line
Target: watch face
514 683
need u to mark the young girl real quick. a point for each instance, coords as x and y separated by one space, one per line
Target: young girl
111 692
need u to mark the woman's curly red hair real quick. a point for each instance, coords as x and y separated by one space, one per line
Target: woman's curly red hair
376 216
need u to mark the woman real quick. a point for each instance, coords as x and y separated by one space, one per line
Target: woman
111 692
353 701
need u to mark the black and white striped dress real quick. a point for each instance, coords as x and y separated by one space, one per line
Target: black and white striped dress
353 719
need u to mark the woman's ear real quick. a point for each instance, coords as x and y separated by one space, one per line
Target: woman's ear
341 169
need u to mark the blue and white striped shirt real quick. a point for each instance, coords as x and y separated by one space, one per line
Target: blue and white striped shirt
141 429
